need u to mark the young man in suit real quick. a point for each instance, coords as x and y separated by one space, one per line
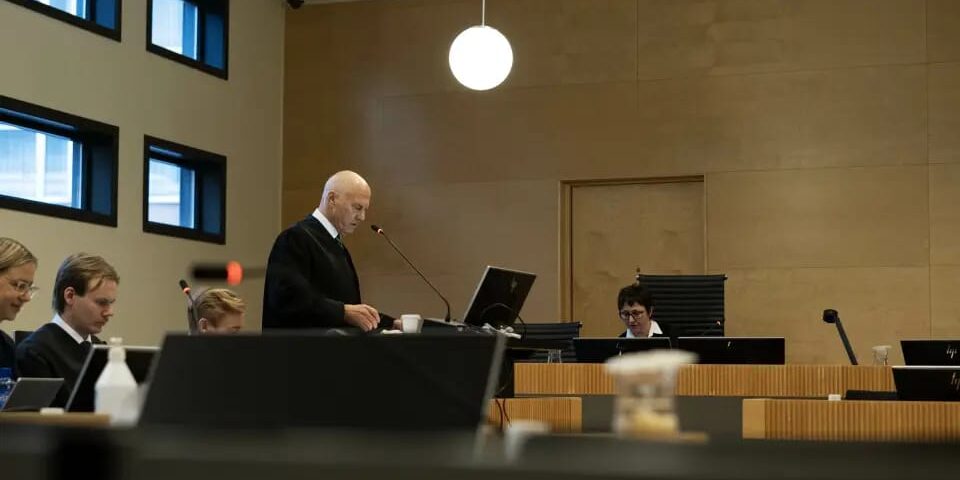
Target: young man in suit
219 311
635 305
83 296
311 281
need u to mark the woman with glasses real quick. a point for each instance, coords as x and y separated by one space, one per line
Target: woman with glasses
17 268
636 308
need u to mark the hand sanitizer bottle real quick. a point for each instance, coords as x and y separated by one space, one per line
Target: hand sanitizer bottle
116 389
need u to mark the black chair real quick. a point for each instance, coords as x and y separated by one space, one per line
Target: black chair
687 305
563 332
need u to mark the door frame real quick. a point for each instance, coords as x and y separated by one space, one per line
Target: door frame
565 260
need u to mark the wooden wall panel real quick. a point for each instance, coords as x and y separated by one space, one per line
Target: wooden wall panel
414 39
818 218
781 121
943 31
944 214
504 135
944 301
559 42
878 306
944 101
689 37
566 131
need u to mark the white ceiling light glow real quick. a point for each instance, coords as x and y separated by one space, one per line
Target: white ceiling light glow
481 57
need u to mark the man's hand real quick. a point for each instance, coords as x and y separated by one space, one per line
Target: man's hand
362 316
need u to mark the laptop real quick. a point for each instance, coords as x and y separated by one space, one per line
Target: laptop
598 350
927 383
736 350
931 352
81 398
499 297
32 394
283 379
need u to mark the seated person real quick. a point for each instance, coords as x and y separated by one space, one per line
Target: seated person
219 311
636 307
83 297
17 268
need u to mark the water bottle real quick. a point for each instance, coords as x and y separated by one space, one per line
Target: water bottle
116 389
6 385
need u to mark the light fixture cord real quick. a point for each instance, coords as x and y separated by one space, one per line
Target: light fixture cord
483 14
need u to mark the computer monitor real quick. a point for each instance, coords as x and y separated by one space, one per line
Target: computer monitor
281 379
736 350
499 297
927 383
931 352
139 360
598 350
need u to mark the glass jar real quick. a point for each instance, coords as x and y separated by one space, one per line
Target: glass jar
644 384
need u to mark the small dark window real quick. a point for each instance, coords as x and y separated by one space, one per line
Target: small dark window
184 191
192 32
98 16
58 164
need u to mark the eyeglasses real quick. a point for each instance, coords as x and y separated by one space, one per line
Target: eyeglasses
25 288
634 314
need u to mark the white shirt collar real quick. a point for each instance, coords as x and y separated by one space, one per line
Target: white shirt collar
654 328
326 223
67 328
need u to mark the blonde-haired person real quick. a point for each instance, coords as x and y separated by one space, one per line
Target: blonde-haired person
219 311
83 296
17 269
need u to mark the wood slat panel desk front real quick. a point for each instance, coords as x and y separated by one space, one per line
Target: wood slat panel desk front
710 380
792 419
562 414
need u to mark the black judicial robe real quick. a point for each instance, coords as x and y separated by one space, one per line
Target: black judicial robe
7 352
310 276
51 352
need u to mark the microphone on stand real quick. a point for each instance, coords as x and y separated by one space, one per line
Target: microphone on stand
709 329
380 232
831 316
191 307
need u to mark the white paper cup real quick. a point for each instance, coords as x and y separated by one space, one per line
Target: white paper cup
411 323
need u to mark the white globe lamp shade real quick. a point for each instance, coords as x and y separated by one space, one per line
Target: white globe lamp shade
481 58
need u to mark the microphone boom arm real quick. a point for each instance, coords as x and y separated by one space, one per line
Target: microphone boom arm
831 316
191 307
380 231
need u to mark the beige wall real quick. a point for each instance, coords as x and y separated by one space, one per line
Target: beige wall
826 131
56 65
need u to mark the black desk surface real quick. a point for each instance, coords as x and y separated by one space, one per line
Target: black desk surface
37 452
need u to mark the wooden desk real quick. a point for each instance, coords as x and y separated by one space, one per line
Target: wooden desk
710 380
562 414
62 420
846 420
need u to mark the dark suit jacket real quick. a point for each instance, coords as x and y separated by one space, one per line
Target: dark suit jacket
51 352
7 353
309 279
